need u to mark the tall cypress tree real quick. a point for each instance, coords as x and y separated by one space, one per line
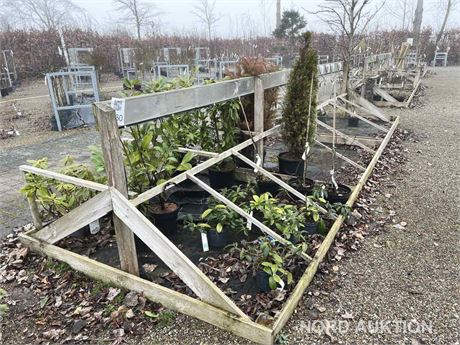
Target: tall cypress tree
295 124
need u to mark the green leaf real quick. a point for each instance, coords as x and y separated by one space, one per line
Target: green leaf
206 213
151 315
219 228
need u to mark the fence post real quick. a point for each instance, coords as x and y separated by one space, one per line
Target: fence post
259 113
114 167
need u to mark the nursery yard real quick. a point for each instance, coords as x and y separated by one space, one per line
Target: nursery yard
406 268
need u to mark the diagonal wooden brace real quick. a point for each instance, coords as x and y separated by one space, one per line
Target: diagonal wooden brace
244 214
346 159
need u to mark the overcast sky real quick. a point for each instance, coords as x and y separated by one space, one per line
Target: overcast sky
239 17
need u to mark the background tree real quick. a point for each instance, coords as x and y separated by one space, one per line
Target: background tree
417 23
349 20
137 12
449 6
43 14
291 26
205 12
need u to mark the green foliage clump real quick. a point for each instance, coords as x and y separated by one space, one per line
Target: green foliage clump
297 125
291 25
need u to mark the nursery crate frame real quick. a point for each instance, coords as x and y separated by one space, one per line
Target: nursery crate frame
212 305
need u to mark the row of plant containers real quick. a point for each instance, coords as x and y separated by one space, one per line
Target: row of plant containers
152 156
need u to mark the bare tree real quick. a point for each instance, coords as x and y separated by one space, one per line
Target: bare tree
44 14
349 20
205 12
417 23
402 10
138 13
449 5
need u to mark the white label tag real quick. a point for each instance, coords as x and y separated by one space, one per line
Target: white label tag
204 241
118 104
94 227
281 285
249 223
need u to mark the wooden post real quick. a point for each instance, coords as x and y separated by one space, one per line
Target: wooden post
33 206
113 158
259 113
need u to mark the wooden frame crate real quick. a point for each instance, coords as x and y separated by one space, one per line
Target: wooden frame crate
211 304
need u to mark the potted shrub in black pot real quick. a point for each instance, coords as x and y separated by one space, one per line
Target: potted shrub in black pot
268 261
221 137
152 162
298 124
218 222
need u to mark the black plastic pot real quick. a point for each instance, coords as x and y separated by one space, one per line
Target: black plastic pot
83 232
223 177
311 228
267 186
353 122
164 220
305 189
262 281
217 239
290 166
341 195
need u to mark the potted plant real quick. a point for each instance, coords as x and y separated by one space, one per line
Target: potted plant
151 162
218 221
286 219
267 259
299 111
57 198
252 67
222 121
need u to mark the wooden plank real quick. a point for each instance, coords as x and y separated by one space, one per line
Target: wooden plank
77 218
274 79
346 159
36 218
310 272
148 233
383 129
64 178
327 138
153 106
147 195
116 177
277 180
259 112
413 93
385 95
244 214
384 104
198 152
156 293
369 107
343 135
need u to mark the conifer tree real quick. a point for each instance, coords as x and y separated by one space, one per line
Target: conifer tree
296 124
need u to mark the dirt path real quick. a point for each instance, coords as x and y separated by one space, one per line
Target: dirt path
14 211
409 278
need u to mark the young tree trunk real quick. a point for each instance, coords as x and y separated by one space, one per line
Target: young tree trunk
417 22
444 22
346 75
278 13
